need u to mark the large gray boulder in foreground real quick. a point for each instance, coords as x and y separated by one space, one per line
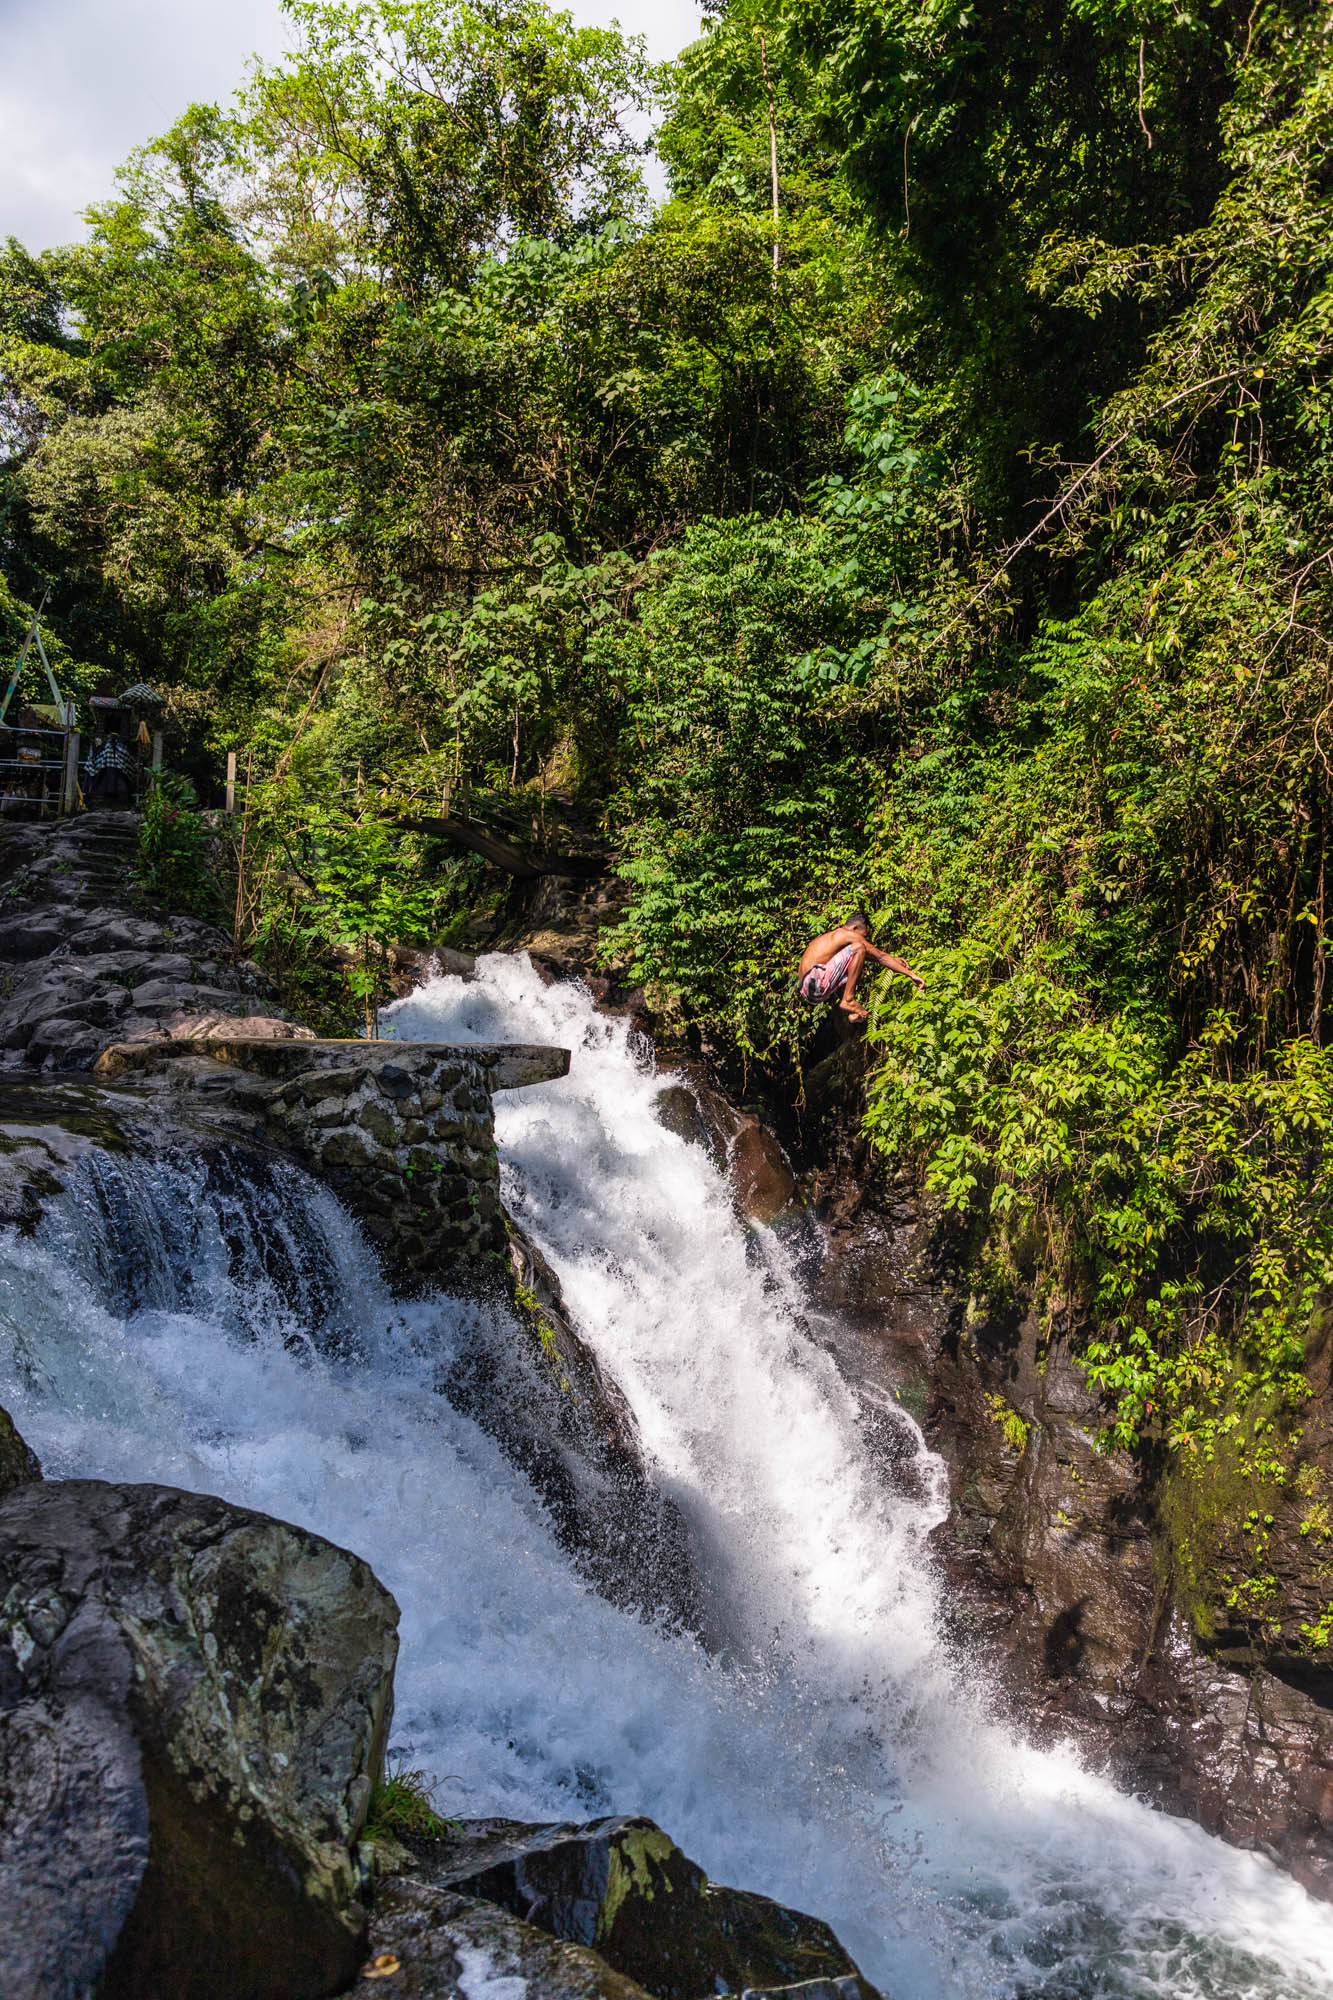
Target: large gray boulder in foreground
193 1706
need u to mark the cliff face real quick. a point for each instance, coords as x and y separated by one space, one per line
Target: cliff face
1080 1576
1172 1619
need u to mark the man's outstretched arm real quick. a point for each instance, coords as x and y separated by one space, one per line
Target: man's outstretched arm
886 958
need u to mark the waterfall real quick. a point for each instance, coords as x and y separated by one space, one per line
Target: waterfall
213 1328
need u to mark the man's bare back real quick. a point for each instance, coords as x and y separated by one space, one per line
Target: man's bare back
831 965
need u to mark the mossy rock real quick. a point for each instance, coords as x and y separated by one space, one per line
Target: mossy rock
623 1887
423 1938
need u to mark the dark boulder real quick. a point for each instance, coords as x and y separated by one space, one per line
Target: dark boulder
533 1384
677 1110
760 1173
428 1943
193 1705
19 1463
624 1889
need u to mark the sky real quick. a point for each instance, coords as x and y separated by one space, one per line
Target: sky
85 81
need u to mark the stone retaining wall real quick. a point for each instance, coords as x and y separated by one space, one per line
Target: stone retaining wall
403 1132
409 1148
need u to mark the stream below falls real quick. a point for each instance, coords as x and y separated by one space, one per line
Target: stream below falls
825 1746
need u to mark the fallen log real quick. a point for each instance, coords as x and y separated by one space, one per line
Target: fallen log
527 863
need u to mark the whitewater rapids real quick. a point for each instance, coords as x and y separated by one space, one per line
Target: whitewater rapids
826 1749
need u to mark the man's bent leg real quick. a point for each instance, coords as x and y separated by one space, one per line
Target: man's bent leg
849 1002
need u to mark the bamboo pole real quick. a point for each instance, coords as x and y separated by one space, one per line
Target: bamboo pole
772 147
245 822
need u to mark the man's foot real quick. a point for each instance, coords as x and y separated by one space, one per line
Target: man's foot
855 1009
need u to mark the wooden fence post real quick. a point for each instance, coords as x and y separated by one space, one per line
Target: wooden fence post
69 790
240 858
231 782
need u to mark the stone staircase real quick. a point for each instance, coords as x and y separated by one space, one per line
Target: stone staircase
82 861
83 962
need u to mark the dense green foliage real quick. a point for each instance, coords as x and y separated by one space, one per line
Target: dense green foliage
323 886
959 544
173 862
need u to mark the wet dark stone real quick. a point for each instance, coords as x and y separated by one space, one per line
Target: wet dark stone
623 1888
677 1110
18 1462
431 1935
188 1750
537 1388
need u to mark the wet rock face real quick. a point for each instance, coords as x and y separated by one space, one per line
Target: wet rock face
1068 1576
1063 1567
1055 1534
19 1464
442 1946
537 1388
623 1888
1243 1753
193 1706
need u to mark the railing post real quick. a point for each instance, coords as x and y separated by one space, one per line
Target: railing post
69 790
231 782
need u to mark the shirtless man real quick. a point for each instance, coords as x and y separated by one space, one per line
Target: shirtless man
831 964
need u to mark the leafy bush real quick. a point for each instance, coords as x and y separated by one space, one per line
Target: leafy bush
173 864
1192 1211
326 888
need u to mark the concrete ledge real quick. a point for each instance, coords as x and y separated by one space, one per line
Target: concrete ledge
508 1065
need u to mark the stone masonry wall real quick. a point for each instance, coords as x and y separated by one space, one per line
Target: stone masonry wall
409 1148
403 1132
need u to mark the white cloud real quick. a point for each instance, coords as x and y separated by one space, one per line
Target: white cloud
85 81
666 25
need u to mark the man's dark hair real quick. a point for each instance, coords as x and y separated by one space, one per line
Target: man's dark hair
859 917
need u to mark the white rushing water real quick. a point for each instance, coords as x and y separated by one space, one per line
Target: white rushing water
827 1751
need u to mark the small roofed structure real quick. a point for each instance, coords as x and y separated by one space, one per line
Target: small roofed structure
125 748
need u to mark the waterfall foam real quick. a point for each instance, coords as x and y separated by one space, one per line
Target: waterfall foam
832 1604
205 1332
